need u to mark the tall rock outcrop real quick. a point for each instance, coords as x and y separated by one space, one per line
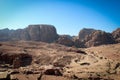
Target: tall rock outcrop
84 32
116 35
98 38
48 33
34 32
45 33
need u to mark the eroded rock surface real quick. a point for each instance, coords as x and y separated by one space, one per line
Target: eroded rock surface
57 62
98 38
85 32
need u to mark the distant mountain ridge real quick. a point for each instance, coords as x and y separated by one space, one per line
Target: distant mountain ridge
47 33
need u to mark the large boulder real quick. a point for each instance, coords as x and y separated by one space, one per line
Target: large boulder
116 35
98 38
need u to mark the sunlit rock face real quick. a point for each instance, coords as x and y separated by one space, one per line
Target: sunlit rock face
85 32
45 33
92 37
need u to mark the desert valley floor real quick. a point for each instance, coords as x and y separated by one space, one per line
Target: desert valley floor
28 60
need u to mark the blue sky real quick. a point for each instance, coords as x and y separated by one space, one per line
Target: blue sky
68 16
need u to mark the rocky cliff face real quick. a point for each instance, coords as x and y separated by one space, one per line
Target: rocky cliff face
116 35
45 33
98 38
85 32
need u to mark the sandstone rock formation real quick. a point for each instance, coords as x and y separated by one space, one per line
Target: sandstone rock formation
43 32
116 35
84 32
98 38
47 33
